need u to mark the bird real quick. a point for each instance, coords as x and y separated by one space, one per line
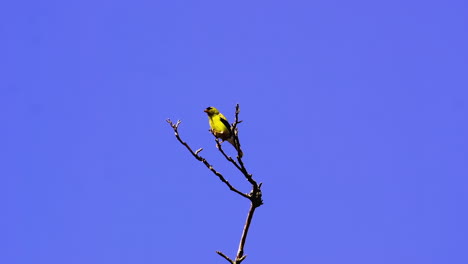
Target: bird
221 128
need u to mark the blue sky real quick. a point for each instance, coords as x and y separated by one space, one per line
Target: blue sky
355 120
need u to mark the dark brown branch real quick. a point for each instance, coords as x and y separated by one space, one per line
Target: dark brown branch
229 158
175 127
240 251
240 167
225 257
255 196
235 131
247 175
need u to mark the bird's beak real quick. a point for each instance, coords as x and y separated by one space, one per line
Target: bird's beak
206 110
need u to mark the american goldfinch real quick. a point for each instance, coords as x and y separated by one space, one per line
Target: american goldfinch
220 127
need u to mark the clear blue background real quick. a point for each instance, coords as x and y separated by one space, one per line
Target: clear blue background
355 119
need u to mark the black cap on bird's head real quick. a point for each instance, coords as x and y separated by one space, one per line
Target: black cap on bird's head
211 110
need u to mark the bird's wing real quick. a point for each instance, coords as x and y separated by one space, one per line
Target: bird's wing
225 122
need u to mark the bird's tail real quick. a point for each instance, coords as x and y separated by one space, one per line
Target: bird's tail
236 146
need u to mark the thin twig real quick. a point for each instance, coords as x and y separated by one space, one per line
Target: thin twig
225 257
229 158
241 165
235 131
203 160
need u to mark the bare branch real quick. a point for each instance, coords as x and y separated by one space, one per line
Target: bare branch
229 158
240 252
175 127
235 131
225 257
240 164
255 195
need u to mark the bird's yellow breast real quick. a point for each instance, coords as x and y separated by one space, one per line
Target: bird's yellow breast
218 128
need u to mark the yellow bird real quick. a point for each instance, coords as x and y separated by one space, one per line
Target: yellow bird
220 127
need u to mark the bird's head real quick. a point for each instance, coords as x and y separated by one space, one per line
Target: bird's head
211 111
